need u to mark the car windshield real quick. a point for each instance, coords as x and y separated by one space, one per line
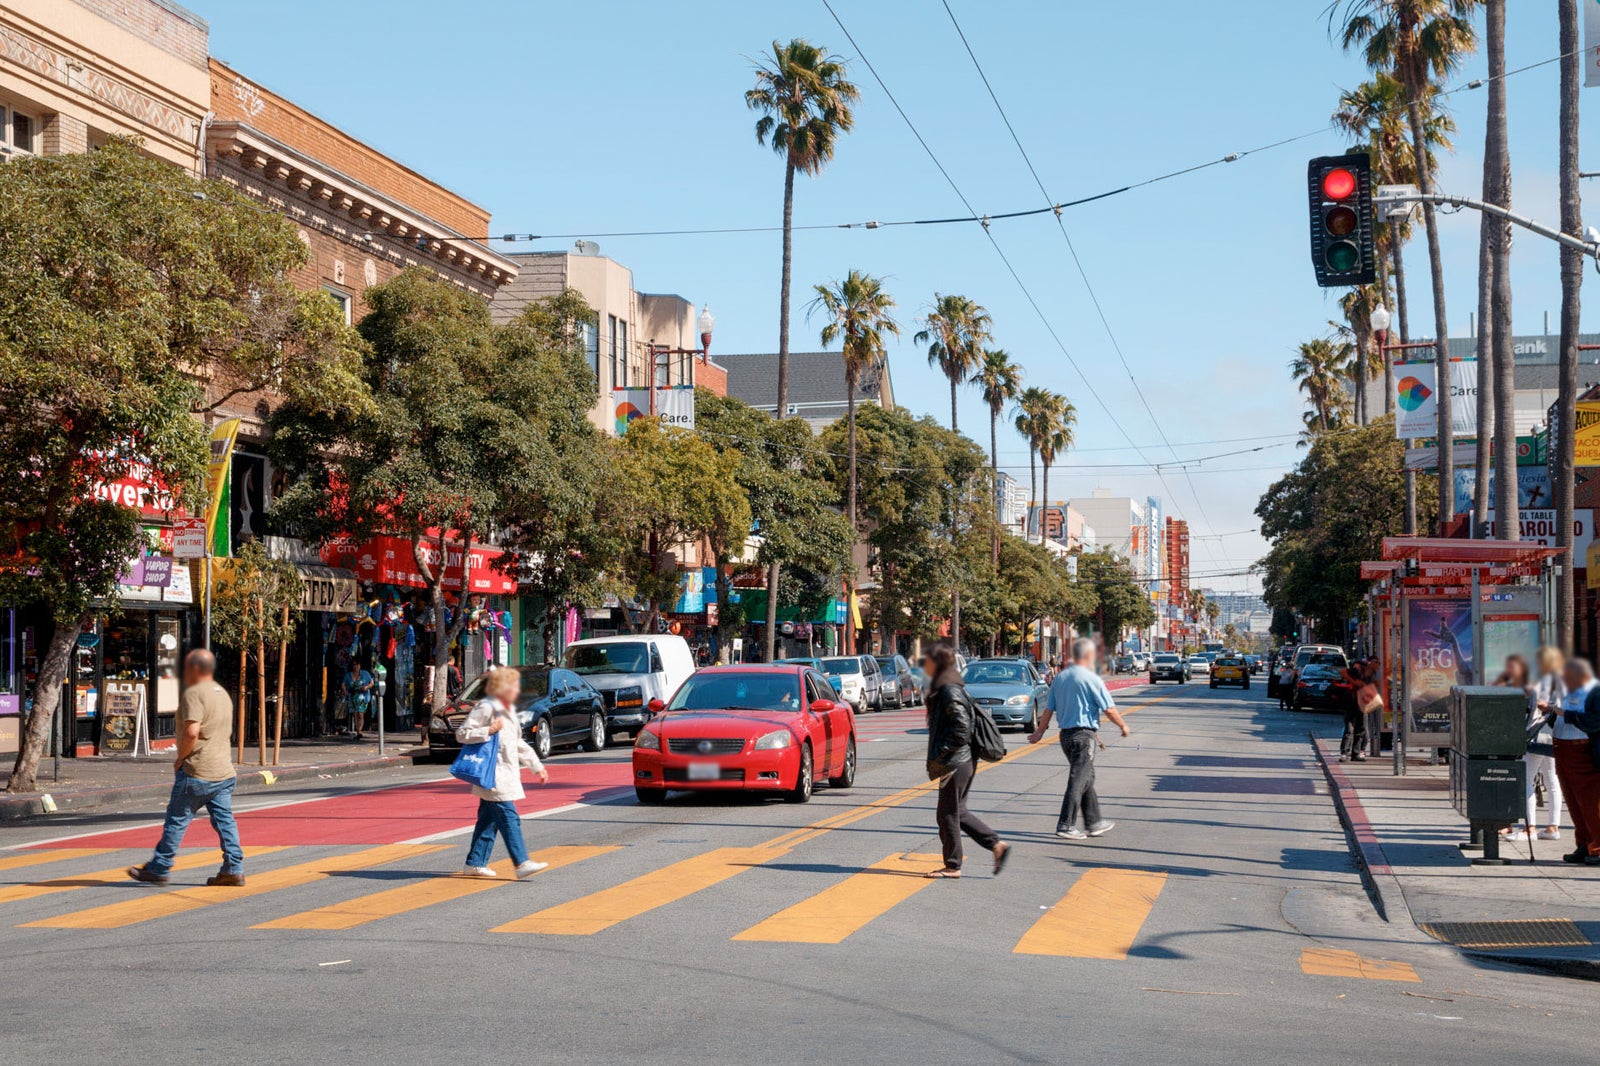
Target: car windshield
887 662
1227 662
629 657
997 674
1168 659
1334 661
744 691
1320 670
535 683
840 666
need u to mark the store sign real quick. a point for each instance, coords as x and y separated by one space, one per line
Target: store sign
138 488
1586 434
122 729
1540 526
327 590
1533 487
389 561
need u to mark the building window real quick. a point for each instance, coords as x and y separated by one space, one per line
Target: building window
611 351
342 299
591 347
622 354
17 131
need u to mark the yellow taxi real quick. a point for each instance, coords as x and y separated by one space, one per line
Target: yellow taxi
1230 670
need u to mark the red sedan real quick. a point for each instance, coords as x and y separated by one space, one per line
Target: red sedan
768 728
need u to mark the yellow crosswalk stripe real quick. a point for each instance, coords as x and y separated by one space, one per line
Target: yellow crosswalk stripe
1098 918
117 875
601 910
835 913
407 898
165 904
1330 962
36 858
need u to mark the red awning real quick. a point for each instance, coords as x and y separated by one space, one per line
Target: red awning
1375 571
1450 550
388 561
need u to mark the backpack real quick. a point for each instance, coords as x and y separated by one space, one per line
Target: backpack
987 743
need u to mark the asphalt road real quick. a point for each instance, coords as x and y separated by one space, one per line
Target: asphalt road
1222 920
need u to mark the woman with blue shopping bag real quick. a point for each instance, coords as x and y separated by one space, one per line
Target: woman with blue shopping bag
492 757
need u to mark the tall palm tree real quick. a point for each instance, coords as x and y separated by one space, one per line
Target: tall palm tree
1365 361
858 311
1000 380
805 103
1317 369
1420 41
1498 191
1571 282
955 332
1055 436
1033 411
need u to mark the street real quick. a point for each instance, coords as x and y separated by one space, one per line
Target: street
1222 920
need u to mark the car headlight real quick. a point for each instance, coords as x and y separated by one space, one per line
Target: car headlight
778 738
439 725
1017 701
647 741
524 717
632 696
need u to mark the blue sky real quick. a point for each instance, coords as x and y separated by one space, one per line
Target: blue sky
616 115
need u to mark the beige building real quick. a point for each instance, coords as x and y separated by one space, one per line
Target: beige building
74 73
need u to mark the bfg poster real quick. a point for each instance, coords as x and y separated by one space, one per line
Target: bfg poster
1438 657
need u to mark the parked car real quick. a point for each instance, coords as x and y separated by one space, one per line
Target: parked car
1230 670
900 686
859 680
629 672
1199 663
557 709
1009 689
1141 662
1124 664
923 680
770 728
1168 666
1321 686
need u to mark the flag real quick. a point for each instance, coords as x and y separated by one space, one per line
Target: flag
219 527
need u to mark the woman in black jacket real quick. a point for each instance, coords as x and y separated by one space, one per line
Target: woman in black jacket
951 762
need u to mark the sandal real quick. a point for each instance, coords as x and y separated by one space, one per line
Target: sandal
946 874
1002 852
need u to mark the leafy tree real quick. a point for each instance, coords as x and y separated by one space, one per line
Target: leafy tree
1116 602
1328 515
1285 626
955 332
255 603
126 289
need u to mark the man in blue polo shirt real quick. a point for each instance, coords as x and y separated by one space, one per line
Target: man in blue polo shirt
1077 699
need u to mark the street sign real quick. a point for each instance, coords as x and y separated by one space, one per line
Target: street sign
189 538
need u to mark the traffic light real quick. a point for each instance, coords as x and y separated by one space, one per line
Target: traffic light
1342 220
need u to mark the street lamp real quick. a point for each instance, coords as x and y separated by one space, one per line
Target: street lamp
1380 321
661 356
707 322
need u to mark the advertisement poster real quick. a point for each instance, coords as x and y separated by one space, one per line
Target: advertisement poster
1416 387
1511 618
1438 657
1586 430
674 406
1533 487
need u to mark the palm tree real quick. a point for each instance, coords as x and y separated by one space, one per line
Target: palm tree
1055 437
1000 380
1497 190
955 332
1420 41
1033 409
857 310
1316 369
1571 281
1366 361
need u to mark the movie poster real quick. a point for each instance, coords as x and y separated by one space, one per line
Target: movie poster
1438 657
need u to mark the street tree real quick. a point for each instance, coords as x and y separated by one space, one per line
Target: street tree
1032 412
1054 435
1000 381
1571 286
1497 323
955 331
1316 369
126 287
254 605
1114 601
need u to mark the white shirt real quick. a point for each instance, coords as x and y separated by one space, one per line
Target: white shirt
1573 701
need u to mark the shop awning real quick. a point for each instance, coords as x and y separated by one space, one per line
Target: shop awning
386 560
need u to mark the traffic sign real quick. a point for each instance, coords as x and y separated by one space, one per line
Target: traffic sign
189 538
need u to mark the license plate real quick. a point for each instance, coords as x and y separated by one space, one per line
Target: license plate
704 771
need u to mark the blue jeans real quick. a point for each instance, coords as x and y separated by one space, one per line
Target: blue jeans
492 818
189 794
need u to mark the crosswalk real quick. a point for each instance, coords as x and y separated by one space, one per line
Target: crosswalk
1101 915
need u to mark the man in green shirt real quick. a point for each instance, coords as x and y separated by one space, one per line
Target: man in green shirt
204 775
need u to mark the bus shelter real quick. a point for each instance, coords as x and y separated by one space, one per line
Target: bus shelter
1448 612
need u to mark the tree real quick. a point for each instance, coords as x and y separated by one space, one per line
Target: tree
955 332
1421 41
1116 602
1326 516
1316 370
1497 190
1285 626
858 312
255 602
1365 359
121 279
1000 380
1571 286
1033 410
432 458
1055 436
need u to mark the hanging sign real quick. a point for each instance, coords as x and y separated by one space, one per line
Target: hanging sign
1416 387
674 405
223 437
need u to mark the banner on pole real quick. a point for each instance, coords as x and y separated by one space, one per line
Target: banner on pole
1416 388
219 530
674 406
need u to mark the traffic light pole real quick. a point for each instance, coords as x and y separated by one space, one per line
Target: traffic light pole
1567 240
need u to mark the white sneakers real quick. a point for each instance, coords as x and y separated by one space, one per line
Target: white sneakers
526 869
530 868
477 871
1549 834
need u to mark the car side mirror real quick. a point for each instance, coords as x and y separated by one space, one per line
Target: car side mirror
656 706
822 706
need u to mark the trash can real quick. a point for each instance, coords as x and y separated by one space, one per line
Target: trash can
1488 737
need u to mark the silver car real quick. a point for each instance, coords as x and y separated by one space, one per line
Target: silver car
1009 689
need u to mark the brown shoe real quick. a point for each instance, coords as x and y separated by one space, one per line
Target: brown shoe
226 880
139 873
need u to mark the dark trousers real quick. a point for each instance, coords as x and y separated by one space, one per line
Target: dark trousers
1580 786
1354 741
1079 745
955 819
495 818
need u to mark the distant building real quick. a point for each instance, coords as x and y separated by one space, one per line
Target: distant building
1013 504
817 390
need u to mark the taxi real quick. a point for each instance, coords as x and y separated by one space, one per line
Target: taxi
1230 670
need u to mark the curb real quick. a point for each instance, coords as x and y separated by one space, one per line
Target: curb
1377 876
36 804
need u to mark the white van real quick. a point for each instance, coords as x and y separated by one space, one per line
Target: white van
630 671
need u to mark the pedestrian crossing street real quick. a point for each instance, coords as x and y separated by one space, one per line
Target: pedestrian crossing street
1101 915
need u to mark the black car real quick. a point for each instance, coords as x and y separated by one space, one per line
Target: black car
899 682
1321 686
557 708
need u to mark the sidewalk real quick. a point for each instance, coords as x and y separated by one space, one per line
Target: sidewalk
87 783
1404 832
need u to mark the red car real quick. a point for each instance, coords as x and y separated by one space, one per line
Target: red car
768 728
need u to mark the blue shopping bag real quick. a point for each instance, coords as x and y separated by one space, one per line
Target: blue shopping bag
476 763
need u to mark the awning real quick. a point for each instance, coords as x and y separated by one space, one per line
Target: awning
387 560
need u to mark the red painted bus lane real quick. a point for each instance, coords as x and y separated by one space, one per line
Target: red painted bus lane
384 815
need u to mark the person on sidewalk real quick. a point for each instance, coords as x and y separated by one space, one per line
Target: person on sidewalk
497 808
1078 697
952 764
1577 723
1359 677
202 775
1539 758
358 684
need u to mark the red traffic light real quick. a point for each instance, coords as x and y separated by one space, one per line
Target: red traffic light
1338 184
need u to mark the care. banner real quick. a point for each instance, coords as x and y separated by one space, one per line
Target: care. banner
1438 657
674 406
1416 387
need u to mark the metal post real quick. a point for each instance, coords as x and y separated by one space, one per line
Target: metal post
205 598
1477 630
